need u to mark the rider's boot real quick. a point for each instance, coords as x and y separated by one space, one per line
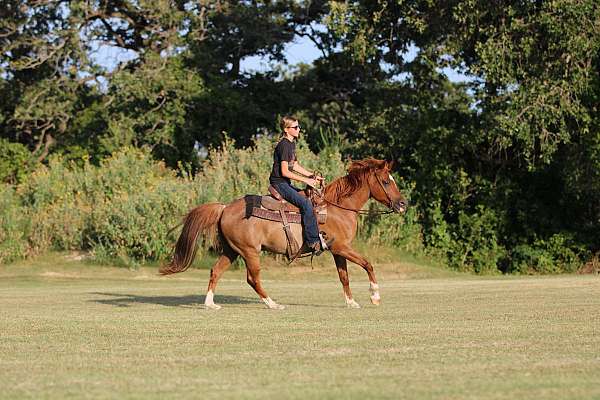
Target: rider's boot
314 249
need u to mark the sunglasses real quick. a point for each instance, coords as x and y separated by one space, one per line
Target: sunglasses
297 127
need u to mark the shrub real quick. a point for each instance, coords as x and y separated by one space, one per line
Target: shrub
555 255
56 206
13 226
134 226
14 159
124 208
475 244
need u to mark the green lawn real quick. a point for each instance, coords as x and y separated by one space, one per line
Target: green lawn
70 330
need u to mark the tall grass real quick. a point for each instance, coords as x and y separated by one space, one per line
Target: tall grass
123 209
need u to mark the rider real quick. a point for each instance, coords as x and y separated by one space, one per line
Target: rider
287 167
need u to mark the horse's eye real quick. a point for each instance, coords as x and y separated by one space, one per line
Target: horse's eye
386 183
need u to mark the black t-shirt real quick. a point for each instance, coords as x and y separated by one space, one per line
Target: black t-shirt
284 151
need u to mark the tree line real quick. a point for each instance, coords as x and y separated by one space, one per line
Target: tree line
503 166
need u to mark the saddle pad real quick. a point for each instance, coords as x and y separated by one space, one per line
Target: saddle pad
254 209
293 218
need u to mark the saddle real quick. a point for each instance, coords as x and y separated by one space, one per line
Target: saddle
273 207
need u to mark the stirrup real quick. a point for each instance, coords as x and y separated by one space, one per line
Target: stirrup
316 250
304 249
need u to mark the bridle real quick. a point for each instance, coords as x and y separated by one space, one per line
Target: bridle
360 211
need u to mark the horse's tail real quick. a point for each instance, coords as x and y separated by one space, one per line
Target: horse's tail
201 221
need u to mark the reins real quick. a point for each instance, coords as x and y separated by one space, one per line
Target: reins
319 192
360 211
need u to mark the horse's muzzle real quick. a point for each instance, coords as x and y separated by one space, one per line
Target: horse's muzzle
400 206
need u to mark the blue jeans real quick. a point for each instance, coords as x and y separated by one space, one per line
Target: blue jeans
311 229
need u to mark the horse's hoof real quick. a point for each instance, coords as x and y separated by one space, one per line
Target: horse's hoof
212 306
271 304
353 304
376 302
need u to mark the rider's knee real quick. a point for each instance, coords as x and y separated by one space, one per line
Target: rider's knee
306 205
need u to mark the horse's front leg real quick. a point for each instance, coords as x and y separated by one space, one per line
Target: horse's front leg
350 254
340 263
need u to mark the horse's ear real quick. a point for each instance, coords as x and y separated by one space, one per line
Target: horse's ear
389 165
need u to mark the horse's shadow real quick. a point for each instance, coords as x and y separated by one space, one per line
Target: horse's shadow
127 300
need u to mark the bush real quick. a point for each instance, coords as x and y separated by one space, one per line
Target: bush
475 243
14 226
14 159
554 255
57 207
134 226
124 208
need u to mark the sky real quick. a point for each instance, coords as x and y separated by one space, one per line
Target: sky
301 50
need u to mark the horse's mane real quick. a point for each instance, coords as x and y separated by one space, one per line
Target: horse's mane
346 185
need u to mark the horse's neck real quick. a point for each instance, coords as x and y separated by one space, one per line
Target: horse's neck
356 200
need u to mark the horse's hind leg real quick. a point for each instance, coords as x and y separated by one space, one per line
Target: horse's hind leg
216 272
341 264
253 277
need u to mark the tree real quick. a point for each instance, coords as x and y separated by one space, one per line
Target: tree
65 100
508 138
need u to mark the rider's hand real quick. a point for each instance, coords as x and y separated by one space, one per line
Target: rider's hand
320 179
311 182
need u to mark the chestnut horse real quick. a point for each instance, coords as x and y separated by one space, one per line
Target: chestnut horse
227 228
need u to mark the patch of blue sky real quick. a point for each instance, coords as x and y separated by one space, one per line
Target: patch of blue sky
303 51
300 51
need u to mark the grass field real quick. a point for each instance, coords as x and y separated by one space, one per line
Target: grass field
71 330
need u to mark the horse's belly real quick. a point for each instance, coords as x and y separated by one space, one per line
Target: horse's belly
274 239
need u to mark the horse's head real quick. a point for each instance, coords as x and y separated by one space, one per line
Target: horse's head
383 187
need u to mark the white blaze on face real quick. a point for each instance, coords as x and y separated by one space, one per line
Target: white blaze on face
392 178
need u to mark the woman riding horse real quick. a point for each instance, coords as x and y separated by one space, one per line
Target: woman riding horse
285 168
233 233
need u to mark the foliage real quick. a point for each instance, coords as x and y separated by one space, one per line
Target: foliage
490 109
14 226
124 208
14 161
64 94
493 156
554 255
475 244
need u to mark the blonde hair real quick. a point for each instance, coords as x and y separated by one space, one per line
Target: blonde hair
286 122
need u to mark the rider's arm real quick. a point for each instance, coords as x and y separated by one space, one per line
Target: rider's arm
305 172
300 169
285 171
